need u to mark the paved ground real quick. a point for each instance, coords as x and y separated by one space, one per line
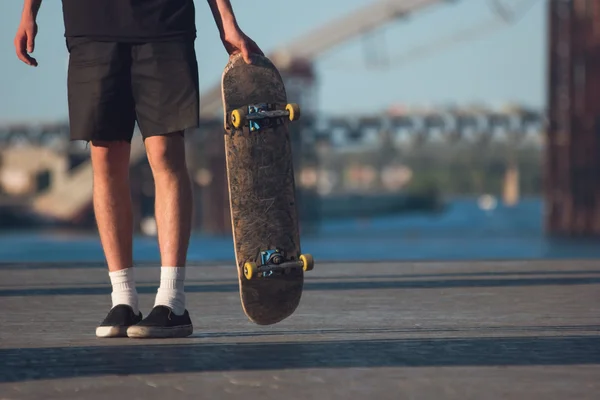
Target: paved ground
519 330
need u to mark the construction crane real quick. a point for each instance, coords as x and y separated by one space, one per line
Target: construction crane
504 15
310 46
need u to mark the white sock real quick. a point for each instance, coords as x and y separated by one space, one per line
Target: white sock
123 289
170 293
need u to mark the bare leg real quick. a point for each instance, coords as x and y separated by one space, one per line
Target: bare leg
112 202
173 206
112 206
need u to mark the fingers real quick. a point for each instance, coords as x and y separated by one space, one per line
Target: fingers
243 45
246 53
30 42
31 45
22 49
249 47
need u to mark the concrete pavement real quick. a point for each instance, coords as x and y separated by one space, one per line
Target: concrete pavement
431 330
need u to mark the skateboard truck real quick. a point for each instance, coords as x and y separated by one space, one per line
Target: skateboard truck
254 113
273 261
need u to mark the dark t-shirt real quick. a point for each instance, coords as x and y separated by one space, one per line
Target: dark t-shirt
129 20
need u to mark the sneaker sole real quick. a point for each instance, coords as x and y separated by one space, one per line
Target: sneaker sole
111 331
158 332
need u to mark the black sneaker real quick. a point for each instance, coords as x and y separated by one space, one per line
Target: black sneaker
119 318
162 323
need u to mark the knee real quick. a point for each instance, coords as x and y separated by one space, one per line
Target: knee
166 154
110 158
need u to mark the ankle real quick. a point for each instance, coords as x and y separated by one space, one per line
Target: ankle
171 291
123 288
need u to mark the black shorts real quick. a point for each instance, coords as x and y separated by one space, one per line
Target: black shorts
113 85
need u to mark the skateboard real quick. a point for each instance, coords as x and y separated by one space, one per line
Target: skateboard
262 194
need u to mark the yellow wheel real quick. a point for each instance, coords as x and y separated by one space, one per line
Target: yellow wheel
250 270
307 261
294 110
238 117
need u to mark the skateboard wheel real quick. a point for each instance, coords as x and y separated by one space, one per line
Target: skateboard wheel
237 118
250 270
294 110
307 262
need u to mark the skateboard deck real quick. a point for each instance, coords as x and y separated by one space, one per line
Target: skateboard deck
262 195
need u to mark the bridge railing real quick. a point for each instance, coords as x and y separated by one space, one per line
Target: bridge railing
418 127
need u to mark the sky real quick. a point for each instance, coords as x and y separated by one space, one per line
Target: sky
495 66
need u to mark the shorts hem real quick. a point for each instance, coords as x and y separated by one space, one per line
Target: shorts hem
169 131
88 140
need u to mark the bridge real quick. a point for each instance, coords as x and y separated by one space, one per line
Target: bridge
451 125
315 139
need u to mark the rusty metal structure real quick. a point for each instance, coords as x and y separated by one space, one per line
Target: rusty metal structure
572 171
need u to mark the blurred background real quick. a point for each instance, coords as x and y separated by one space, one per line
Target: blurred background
462 129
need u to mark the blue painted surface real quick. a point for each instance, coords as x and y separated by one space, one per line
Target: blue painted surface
266 255
256 109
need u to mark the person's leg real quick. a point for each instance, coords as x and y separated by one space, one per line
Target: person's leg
113 210
101 111
165 88
173 210
112 201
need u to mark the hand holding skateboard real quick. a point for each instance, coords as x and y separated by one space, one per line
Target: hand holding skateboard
237 41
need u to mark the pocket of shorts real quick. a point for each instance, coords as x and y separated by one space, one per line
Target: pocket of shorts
72 42
88 53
